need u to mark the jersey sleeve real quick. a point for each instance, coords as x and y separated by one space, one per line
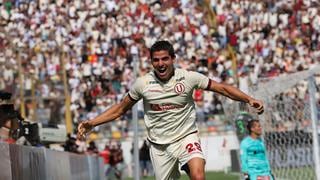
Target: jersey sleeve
244 156
198 80
135 92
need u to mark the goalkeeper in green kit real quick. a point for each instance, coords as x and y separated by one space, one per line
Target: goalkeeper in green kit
253 154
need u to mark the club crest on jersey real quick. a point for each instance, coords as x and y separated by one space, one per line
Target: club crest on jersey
179 88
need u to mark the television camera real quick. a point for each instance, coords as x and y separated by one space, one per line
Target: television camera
13 121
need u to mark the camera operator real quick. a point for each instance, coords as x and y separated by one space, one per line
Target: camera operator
13 128
8 118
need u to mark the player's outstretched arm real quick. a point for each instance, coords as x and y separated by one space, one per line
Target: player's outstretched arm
110 114
236 94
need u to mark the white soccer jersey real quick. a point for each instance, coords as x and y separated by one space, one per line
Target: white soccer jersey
169 107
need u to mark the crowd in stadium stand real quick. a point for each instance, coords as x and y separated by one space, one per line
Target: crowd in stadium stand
99 41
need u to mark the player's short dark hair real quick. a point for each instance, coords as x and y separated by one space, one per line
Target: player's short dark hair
250 124
162 45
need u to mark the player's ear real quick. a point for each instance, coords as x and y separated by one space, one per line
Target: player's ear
173 58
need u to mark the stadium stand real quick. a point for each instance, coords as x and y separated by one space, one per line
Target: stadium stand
99 40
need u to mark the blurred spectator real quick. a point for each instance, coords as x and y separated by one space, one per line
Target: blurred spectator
117 165
105 154
145 161
70 144
92 149
82 146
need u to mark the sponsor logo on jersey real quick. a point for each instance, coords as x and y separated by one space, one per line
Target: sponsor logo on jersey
179 88
180 79
165 107
255 151
155 90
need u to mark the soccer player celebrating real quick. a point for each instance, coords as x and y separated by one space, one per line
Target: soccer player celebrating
254 162
170 113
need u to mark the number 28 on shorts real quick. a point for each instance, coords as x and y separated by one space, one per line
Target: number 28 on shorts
193 147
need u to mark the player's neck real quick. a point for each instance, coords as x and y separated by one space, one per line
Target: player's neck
254 136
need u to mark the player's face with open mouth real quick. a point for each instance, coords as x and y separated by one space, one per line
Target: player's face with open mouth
162 63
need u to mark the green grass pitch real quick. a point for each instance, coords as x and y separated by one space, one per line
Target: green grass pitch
209 176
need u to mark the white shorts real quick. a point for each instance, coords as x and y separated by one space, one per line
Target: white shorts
166 159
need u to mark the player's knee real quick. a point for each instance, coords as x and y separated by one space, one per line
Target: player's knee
199 175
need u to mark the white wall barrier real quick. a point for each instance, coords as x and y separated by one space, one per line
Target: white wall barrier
35 163
32 163
5 163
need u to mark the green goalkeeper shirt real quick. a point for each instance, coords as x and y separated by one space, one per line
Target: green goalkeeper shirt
253 157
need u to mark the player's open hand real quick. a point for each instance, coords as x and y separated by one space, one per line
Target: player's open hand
83 129
257 104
